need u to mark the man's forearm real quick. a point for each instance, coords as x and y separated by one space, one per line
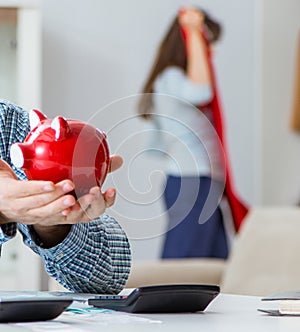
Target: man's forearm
50 236
3 219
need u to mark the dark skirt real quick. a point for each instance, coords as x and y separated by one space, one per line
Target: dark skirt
195 225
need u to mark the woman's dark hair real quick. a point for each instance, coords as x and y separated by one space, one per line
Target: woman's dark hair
213 28
172 53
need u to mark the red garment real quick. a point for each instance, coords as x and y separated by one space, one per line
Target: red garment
238 208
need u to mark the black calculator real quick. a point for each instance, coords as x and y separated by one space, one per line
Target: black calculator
160 299
30 309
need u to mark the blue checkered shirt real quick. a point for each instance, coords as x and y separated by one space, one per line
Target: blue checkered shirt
94 257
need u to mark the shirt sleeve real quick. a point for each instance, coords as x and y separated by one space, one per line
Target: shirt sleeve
94 257
7 231
173 81
14 126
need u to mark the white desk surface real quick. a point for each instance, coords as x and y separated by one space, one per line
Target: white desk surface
227 313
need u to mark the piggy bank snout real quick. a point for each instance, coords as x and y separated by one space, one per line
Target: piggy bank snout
17 154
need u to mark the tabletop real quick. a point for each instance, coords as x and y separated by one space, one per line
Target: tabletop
227 313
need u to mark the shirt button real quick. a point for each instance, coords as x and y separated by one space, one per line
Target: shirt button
59 256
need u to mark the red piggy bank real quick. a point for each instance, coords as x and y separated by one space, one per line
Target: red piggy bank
61 149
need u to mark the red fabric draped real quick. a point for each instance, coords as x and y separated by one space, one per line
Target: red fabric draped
238 208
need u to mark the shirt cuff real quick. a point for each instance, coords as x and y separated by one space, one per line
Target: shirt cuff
72 244
7 231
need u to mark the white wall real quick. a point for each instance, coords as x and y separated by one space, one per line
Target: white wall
280 146
96 56
8 60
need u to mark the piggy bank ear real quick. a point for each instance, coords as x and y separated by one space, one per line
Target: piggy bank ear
35 118
61 127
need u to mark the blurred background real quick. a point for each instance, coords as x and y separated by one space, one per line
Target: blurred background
88 60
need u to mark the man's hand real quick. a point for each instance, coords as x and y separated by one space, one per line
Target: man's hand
45 204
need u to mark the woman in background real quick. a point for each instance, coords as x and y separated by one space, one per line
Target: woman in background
181 100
